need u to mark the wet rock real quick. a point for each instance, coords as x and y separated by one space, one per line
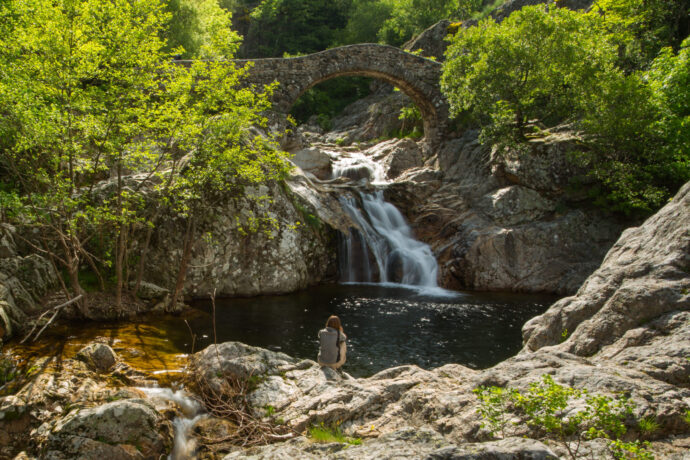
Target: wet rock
397 156
125 429
644 276
313 160
100 357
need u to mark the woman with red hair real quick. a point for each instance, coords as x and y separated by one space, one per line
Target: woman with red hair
332 339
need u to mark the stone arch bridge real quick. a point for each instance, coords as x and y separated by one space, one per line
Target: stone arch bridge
416 76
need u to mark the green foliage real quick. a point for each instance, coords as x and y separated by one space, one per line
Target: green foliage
640 28
88 91
648 425
494 407
559 412
294 26
329 98
194 25
532 66
630 450
8 370
410 17
326 434
564 335
544 66
686 417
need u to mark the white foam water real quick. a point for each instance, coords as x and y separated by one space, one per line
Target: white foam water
384 234
184 445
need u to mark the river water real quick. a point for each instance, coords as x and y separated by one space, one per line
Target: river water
386 325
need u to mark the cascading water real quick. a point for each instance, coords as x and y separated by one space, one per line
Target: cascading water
184 446
383 235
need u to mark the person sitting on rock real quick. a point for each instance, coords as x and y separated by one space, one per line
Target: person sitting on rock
332 339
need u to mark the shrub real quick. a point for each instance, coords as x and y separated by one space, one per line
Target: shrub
567 415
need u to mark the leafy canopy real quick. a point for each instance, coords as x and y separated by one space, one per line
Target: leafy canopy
543 66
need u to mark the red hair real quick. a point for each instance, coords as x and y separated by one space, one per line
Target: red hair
334 322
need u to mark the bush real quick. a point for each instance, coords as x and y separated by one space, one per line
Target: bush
567 415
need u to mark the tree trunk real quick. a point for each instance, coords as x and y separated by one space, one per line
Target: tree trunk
142 257
186 256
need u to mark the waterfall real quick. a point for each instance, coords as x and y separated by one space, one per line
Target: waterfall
385 236
184 446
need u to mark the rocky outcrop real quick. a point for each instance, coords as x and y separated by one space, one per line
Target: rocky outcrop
24 280
504 222
645 275
98 356
270 245
408 411
431 43
64 409
407 443
373 117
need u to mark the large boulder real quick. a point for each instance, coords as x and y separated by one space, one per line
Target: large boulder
644 276
249 247
98 356
127 429
397 156
313 160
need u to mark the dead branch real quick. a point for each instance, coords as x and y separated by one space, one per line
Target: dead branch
57 310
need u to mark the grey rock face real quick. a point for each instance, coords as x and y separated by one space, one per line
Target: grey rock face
290 250
515 205
24 280
372 117
100 357
489 232
644 275
125 429
314 161
432 41
397 156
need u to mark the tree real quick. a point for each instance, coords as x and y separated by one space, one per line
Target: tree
545 65
193 25
533 66
294 26
410 17
97 117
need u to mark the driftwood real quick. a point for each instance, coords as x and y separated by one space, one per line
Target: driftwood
227 399
56 310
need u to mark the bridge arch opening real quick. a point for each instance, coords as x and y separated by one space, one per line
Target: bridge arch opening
417 99
324 103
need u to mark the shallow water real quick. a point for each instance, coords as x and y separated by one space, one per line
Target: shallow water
386 326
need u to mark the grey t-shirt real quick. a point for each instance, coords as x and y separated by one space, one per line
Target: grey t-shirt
328 351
